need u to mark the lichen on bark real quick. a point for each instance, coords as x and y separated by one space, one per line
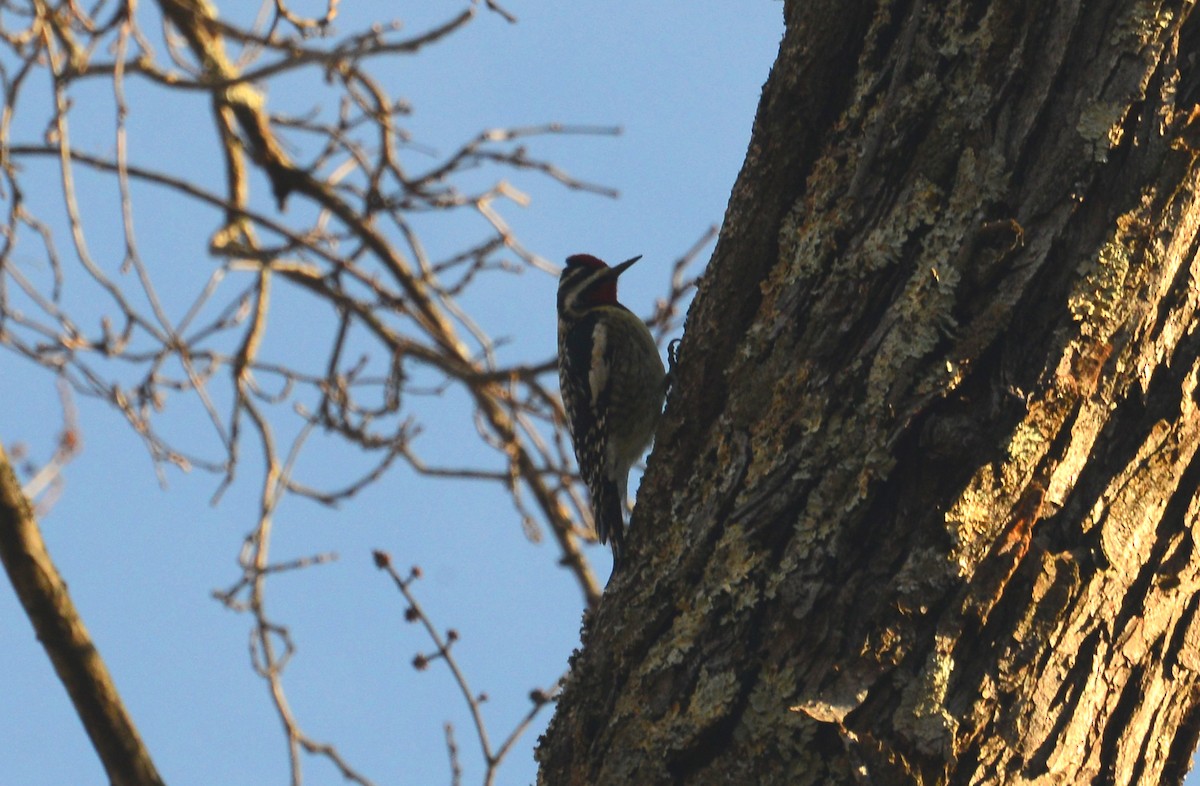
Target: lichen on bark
923 505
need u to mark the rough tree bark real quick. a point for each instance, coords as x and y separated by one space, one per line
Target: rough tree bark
923 506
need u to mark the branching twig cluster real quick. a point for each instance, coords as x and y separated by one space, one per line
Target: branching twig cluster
391 309
443 645
384 327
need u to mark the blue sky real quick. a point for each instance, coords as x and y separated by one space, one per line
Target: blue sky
683 82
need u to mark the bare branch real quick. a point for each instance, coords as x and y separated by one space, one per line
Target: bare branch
443 644
76 660
452 751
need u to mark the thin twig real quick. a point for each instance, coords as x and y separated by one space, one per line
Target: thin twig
443 650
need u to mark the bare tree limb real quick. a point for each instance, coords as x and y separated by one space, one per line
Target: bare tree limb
77 661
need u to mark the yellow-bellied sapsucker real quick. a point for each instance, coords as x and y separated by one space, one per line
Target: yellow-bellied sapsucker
612 381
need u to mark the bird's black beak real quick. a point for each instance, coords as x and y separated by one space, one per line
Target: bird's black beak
621 268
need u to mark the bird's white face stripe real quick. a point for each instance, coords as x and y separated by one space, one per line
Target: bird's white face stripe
598 371
572 288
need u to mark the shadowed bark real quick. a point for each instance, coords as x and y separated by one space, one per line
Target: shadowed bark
923 505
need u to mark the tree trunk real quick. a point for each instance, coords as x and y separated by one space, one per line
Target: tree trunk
923 505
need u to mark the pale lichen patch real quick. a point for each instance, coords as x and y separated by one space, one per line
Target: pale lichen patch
1096 298
885 243
688 624
1101 127
732 591
714 693
922 715
733 567
806 235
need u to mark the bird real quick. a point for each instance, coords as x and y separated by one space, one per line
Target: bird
613 384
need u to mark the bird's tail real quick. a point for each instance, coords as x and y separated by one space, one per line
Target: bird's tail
608 509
